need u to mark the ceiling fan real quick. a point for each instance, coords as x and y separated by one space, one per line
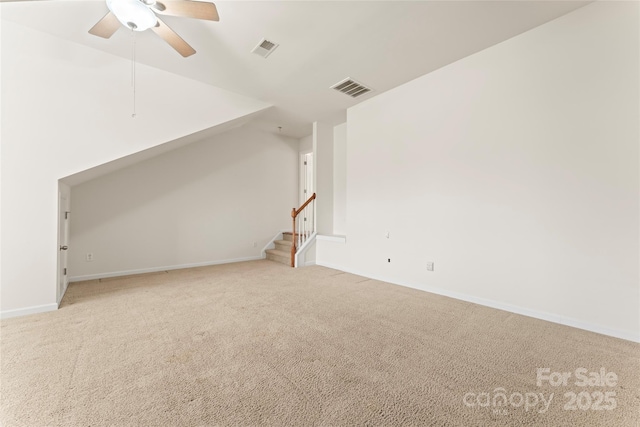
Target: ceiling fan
141 15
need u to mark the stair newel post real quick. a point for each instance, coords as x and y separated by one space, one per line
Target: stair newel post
293 238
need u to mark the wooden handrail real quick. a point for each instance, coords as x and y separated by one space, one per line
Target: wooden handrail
294 213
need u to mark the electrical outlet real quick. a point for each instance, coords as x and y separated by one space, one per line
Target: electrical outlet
89 257
255 244
388 259
387 234
430 266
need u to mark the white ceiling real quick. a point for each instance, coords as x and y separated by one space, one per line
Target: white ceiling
382 44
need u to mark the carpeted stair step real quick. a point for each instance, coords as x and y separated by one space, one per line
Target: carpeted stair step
282 252
284 245
288 236
276 255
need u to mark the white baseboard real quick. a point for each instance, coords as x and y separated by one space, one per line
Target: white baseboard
28 310
308 263
549 317
158 269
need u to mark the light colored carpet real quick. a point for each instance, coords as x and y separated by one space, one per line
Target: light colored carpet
259 343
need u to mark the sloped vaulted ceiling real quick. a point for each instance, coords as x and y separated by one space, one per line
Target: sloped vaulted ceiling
379 43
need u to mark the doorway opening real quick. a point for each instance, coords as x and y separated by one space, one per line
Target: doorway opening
307 185
63 242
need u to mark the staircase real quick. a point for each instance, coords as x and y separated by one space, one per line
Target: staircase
287 248
282 252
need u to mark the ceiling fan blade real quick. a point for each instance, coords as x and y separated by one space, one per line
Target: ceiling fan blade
173 39
106 26
188 9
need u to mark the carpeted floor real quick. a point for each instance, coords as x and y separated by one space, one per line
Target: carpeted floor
258 343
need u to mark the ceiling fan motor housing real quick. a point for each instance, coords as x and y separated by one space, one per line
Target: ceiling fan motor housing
140 15
133 14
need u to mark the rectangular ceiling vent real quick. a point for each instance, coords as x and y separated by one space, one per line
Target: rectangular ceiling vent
351 87
265 48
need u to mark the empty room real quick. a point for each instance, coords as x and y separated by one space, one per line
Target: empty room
314 213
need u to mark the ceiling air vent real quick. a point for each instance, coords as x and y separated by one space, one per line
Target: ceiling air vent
351 87
264 48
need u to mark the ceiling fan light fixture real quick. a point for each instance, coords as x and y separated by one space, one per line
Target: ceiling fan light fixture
133 14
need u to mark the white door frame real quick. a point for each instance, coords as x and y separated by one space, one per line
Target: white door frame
64 216
305 177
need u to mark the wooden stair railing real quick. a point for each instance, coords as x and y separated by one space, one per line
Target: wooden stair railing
303 233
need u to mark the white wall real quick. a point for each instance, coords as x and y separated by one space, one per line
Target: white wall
1 84
205 203
306 144
323 176
340 179
67 108
515 170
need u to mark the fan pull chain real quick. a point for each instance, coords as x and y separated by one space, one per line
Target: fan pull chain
133 72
